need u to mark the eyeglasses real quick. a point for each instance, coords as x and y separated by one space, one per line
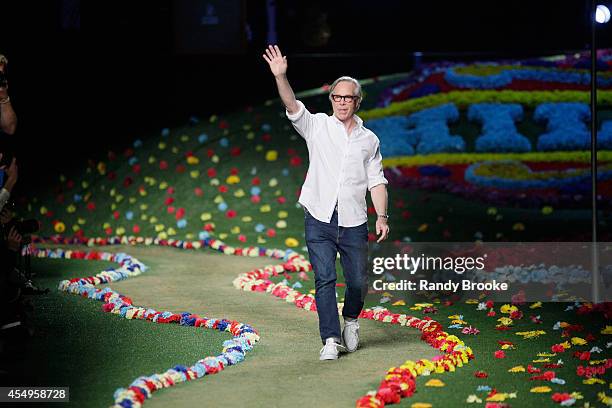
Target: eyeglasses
345 98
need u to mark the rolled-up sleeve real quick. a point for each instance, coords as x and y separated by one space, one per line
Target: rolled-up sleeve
302 121
375 169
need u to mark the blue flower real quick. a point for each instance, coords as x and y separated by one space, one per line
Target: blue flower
202 138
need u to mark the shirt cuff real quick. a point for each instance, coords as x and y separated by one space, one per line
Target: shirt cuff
295 116
376 182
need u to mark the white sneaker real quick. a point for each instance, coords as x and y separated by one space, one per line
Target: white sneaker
329 350
350 335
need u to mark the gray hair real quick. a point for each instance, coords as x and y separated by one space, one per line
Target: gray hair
356 92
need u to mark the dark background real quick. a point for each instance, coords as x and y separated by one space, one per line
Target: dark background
144 65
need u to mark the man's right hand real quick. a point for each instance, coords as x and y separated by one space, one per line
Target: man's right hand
276 61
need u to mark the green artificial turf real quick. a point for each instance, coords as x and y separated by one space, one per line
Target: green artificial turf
76 344
462 383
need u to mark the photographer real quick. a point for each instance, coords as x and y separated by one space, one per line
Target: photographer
10 245
8 119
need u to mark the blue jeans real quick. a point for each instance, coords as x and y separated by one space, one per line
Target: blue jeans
324 241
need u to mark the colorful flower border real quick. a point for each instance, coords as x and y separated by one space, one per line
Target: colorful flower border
399 382
143 387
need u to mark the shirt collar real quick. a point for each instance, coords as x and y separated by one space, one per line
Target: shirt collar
358 121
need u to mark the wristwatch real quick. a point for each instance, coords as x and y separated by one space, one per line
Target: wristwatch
383 216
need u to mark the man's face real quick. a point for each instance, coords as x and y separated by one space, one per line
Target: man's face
344 109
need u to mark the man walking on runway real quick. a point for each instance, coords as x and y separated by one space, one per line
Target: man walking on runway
344 163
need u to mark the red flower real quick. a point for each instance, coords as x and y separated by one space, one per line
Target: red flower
136 229
116 215
255 181
266 137
255 199
489 304
500 354
91 206
209 227
557 348
223 188
180 213
560 397
136 168
230 213
517 314
180 168
532 370
235 151
481 374
211 172
170 209
163 165
168 201
295 161
281 200
271 232
210 153
242 238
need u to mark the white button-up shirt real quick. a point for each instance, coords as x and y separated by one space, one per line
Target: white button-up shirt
341 166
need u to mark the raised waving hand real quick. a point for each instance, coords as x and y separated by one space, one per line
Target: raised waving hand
276 60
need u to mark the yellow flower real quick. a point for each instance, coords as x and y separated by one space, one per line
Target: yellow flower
505 321
577 341
291 242
420 405
233 179
508 308
499 397
531 334
434 382
193 160
541 389
271 155
59 227
517 369
536 305
542 360
399 303
593 380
